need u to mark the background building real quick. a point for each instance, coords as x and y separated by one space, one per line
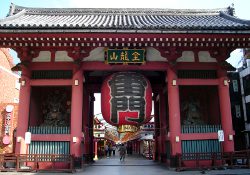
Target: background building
244 73
9 96
237 110
9 81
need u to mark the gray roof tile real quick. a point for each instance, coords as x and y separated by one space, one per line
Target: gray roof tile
24 18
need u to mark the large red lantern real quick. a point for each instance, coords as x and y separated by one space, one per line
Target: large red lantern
126 99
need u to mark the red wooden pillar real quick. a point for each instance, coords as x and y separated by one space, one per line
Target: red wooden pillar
76 113
86 106
157 127
174 112
225 109
163 124
23 111
91 124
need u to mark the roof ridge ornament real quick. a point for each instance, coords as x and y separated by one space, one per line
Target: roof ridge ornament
234 18
11 10
231 10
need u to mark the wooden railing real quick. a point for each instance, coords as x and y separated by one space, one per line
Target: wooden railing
37 162
49 147
237 158
200 146
49 129
7 162
229 159
200 128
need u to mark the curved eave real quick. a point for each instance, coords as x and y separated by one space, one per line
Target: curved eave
16 68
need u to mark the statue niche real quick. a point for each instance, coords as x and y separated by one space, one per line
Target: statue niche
191 110
56 109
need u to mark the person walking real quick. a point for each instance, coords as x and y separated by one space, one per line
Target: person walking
122 151
110 150
113 149
106 147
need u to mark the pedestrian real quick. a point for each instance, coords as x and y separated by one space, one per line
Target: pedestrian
113 149
110 150
106 147
122 151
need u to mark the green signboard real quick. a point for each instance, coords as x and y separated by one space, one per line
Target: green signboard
125 56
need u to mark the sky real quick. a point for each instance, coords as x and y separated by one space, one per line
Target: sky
241 9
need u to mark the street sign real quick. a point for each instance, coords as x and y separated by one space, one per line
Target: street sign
220 135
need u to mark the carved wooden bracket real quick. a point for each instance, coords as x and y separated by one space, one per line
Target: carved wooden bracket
226 66
220 54
171 54
79 53
25 56
21 65
23 53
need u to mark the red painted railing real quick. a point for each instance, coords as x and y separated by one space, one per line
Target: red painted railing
213 160
36 162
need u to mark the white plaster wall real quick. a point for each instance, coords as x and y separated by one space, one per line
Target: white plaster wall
204 56
96 54
44 56
154 55
187 56
62 56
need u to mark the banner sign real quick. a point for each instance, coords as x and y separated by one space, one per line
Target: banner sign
220 135
125 56
7 124
27 137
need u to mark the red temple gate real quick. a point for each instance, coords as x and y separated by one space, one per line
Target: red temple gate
64 63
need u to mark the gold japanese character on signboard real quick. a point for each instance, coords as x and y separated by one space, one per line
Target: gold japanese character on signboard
135 56
113 56
124 56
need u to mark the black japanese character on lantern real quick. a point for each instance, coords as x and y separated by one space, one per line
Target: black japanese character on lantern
128 94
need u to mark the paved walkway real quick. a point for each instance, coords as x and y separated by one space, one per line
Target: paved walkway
134 165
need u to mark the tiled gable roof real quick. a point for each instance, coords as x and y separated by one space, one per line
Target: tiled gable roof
168 20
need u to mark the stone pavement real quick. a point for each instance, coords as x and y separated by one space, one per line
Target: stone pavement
134 165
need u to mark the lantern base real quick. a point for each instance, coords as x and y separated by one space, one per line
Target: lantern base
127 128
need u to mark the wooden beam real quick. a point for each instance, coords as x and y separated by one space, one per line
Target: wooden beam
51 82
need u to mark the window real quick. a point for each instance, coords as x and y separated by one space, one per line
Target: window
235 86
246 84
16 100
17 85
248 112
237 111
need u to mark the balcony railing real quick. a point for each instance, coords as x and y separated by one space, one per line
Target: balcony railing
200 128
49 129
